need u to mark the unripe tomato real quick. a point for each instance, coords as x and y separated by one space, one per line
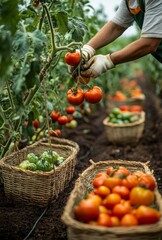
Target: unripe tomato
55 133
93 95
72 58
75 96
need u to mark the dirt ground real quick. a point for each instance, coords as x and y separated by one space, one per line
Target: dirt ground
17 220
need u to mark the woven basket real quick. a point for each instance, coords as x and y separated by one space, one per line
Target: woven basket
123 134
38 188
81 231
110 104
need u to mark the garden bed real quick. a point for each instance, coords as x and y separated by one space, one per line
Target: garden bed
17 220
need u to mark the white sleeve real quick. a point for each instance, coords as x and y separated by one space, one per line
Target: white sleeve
122 16
152 25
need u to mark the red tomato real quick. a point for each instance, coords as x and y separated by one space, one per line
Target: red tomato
25 123
98 181
75 96
70 109
111 200
82 80
103 209
111 182
115 221
104 220
54 115
72 58
147 215
122 172
110 171
62 120
86 210
124 108
130 181
141 196
35 123
147 181
55 133
93 95
123 191
122 208
102 191
135 108
95 198
129 220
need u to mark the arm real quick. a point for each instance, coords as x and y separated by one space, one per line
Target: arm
135 50
106 35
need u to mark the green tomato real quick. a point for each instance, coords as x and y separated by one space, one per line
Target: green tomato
113 120
111 115
72 124
59 161
46 156
126 121
119 116
32 166
116 111
24 164
43 165
119 121
55 156
32 157
134 118
126 115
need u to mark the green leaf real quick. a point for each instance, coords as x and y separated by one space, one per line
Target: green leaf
38 39
62 21
21 43
32 77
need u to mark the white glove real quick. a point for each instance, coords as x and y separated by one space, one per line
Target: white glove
87 52
97 65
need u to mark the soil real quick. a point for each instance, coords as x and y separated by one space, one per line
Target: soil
18 221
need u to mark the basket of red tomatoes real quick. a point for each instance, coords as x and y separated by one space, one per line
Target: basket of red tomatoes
114 199
125 125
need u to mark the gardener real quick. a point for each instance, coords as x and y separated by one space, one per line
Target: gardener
148 15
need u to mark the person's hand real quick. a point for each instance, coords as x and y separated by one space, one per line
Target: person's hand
97 65
87 53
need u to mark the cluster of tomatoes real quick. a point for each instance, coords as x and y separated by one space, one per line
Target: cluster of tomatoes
131 108
76 95
120 198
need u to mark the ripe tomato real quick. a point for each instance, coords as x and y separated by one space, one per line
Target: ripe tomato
110 171
103 209
95 198
129 220
115 221
104 220
147 215
123 191
102 191
93 95
138 173
124 108
147 181
75 96
62 120
122 208
111 182
98 181
70 109
54 115
55 133
82 80
86 210
141 196
130 181
122 172
135 108
35 123
72 58
111 200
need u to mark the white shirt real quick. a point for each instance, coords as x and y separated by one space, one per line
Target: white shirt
152 23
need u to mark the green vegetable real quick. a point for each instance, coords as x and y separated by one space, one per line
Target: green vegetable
44 165
24 164
116 111
59 161
32 157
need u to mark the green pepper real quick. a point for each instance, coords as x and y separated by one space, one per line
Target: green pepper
44 165
32 157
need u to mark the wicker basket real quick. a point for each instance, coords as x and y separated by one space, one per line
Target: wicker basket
81 231
38 188
123 134
110 104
